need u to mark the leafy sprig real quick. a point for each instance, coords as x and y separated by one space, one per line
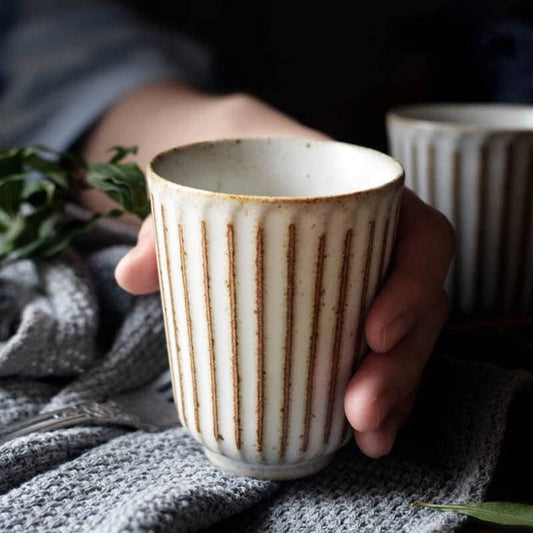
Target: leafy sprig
502 513
36 184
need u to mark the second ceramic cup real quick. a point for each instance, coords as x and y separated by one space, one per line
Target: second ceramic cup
474 162
270 253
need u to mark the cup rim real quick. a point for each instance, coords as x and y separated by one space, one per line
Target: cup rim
397 180
401 114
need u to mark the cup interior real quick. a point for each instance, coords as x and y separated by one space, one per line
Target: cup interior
486 116
277 167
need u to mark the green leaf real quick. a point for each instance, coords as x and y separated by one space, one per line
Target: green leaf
503 513
32 212
48 225
53 238
15 229
5 220
10 162
121 152
38 193
24 229
124 183
53 170
64 234
17 177
35 159
11 188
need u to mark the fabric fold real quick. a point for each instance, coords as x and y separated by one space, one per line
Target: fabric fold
108 479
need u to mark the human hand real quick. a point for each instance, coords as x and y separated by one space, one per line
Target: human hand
409 311
402 327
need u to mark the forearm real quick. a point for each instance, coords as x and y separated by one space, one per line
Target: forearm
161 116
153 118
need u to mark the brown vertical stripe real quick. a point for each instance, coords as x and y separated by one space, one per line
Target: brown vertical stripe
414 166
210 340
287 356
431 176
188 317
456 186
160 277
174 317
230 234
524 238
479 271
339 323
366 276
166 317
362 305
383 250
504 224
314 338
259 305
397 215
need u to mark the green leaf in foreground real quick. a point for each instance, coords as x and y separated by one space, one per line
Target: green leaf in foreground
124 183
36 183
503 513
121 152
53 237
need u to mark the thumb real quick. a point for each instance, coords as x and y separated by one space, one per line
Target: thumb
137 270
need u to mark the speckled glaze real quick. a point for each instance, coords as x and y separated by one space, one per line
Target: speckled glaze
474 162
265 293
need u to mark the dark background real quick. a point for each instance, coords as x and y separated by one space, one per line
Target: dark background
338 66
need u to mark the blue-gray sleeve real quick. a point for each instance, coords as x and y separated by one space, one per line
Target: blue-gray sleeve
64 62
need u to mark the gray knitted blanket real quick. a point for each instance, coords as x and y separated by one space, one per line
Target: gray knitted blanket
68 333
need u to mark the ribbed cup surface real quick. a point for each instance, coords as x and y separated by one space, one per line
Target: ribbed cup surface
483 182
264 304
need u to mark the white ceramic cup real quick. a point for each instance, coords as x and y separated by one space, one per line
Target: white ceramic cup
270 253
474 162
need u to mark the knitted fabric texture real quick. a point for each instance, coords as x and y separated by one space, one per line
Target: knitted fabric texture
69 334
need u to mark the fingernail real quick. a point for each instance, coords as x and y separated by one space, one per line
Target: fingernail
395 330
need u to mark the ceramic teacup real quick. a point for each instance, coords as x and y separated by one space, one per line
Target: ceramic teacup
474 162
270 252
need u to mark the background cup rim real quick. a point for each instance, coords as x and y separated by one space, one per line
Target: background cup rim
404 115
396 181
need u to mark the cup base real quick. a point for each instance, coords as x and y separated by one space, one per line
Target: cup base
272 472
